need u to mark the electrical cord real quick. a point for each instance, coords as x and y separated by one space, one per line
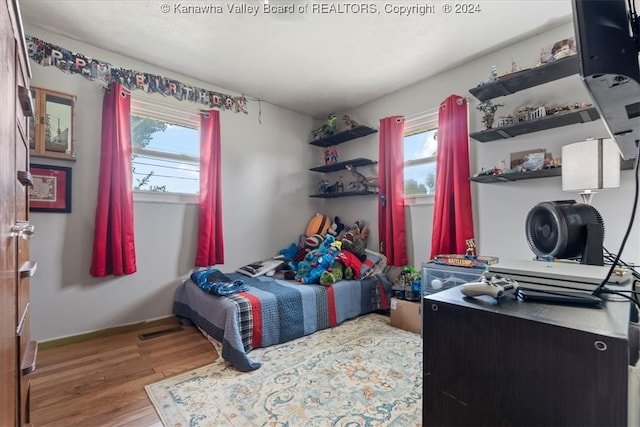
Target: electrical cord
635 22
609 257
601 288
622 296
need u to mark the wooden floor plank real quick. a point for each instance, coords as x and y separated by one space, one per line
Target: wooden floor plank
175 368
100 382
95 367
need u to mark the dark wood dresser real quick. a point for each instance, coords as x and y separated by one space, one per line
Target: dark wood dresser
17 350
513 363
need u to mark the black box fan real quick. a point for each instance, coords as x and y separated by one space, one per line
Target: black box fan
566 229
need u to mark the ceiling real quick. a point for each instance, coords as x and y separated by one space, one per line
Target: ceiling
332 58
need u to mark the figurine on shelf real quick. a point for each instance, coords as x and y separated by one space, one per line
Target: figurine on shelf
550 163
565 108
514 66
349 122
326 129
488 110
362 183
496 170
493 74
337 187
324 184
504 121
333 156
471 247
330 156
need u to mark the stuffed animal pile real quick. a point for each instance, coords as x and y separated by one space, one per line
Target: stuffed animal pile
326 259
318 261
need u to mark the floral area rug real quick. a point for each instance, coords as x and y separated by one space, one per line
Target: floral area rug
363 372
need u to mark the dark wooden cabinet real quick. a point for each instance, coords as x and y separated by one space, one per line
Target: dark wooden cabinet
17 350
513 363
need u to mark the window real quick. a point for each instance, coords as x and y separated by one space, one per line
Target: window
420 150
165 149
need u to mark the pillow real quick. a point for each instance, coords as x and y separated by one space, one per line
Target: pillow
373 264
260 268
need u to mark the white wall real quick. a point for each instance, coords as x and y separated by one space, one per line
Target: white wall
266 184
500 209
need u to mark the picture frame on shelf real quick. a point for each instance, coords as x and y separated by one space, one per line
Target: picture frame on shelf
528 160
51 191
558 50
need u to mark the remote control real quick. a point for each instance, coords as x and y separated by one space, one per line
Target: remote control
494 286
475 289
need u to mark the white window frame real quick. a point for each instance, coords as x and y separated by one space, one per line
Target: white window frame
414 125
176 115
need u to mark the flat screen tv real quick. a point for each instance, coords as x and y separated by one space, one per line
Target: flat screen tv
606 34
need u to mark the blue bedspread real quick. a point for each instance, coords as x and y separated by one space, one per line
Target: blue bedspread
274 311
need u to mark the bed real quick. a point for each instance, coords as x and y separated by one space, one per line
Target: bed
273 311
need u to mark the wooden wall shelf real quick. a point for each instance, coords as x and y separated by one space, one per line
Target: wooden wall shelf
543 173
343 165
520 80
343 194
581 115
343 136
339 138
508 177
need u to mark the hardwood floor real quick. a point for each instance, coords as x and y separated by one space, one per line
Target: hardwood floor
100 382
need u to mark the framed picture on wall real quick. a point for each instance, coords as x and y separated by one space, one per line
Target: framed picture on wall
51 191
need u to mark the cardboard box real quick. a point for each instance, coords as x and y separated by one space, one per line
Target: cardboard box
406 315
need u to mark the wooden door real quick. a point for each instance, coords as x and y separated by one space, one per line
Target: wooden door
8 248
27 349
17 351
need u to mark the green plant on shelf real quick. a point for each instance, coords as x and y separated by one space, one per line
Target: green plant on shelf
488 110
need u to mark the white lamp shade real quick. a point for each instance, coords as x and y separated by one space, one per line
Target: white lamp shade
590 165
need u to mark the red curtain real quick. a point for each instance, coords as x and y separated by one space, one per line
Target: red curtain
452 217
391 224
113 241
210 242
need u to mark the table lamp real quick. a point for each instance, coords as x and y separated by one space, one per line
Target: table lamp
590 165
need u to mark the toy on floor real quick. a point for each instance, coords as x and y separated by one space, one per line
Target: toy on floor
408 284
